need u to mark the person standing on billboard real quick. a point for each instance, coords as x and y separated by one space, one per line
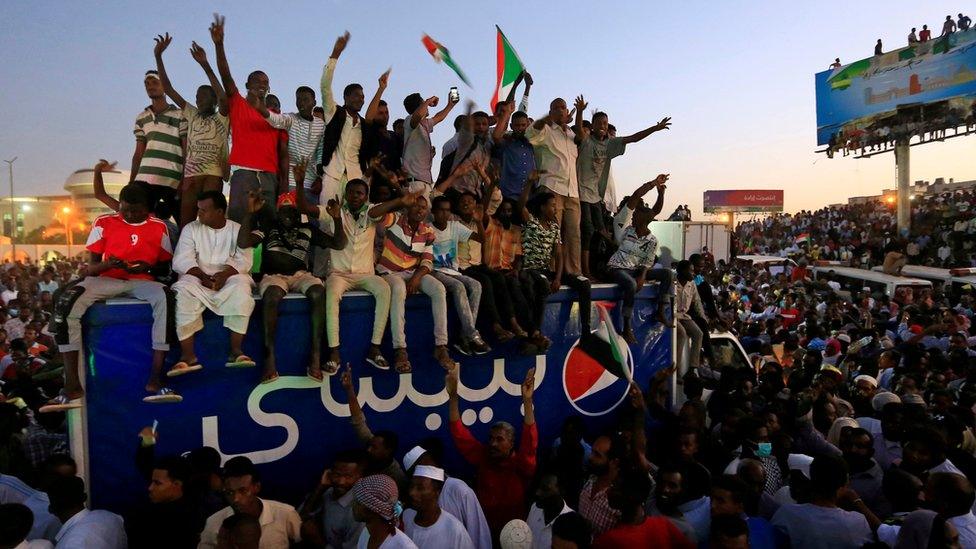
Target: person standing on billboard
948 27
596 150
925 35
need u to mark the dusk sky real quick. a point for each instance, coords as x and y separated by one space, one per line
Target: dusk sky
736 77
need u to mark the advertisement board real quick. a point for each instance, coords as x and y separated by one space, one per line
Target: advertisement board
292 427
763 200
923 73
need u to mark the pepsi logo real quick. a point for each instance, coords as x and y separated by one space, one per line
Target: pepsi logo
589 387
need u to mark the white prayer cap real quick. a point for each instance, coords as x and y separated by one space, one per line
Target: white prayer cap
800 462
412 456
869 379
516 535
428 471
882 398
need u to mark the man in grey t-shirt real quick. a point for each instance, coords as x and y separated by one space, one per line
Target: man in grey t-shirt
417 154
596 150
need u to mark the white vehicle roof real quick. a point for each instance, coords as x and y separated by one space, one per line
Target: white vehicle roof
759 259
873 276
935 273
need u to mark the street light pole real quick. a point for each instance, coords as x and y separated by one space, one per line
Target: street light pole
13 212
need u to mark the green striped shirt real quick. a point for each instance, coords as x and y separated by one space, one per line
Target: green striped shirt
163 133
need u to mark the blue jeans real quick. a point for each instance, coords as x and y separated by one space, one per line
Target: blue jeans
627 280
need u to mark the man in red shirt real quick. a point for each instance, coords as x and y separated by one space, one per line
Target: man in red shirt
635 529
255 145
124 247
504 474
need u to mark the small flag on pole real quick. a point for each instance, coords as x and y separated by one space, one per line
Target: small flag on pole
801 239
598 360
440 53
510 67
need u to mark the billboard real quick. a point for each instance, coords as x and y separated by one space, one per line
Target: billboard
923 73
743 201
292 428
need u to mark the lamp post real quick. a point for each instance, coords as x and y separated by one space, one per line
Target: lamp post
13 212
65 220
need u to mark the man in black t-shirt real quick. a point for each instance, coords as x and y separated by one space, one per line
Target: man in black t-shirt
284 264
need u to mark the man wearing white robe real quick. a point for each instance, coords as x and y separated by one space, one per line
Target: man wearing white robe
214 274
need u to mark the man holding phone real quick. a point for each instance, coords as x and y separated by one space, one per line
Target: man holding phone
417 157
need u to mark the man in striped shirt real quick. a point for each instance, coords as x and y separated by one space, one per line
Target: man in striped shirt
406 263
160 133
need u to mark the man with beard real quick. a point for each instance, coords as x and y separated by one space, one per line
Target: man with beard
503 473
327 512
866 475
865 387
285 264
635 529
603 466
669 492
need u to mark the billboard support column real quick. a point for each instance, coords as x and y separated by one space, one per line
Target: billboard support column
903 169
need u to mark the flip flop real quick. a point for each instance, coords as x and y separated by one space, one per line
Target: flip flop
310 375
240 361
163 396
379 362
330 368
401 362
61 403
271 379
182 367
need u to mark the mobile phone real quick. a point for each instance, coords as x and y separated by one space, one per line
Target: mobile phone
454 96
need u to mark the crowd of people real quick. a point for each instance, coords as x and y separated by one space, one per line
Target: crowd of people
852 425
943 233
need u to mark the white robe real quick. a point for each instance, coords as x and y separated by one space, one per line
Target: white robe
458 499
211 250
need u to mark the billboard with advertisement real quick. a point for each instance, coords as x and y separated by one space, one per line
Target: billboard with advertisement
763 200
873 88
292 428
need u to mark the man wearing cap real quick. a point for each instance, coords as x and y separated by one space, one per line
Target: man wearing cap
425 522
504 473
287 242
377 505
160 132
456 497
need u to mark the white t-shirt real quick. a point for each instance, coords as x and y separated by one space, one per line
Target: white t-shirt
446 533
446 246
398 540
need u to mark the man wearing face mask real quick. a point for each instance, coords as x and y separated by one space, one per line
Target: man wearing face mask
755 445
254 155
866 475
285 264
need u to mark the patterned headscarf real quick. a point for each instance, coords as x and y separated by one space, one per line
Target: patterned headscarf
378 493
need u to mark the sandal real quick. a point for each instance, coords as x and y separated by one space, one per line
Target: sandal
183 367
330 368
378 361
240 361
61 403
309 373
401 362
274 377
162 396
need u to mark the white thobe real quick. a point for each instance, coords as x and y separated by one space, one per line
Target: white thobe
458 499
212 250
344 164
